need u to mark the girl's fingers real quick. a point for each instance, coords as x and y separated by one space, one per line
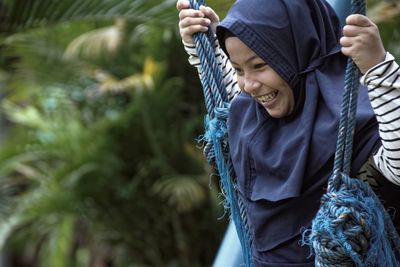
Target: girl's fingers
209 13
347 51
182 4
351 30
346 41
190 13
359 20
188 22
190 25
189 31
192 21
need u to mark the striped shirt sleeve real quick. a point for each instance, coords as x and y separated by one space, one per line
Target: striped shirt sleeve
229 74
384 93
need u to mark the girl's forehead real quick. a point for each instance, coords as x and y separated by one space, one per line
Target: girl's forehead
239 52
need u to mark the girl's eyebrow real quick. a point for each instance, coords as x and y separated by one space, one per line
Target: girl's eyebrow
246 61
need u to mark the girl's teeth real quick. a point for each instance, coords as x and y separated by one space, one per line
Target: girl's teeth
267 97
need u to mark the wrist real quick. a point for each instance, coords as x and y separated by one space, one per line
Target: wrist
189 44
374 62
378 70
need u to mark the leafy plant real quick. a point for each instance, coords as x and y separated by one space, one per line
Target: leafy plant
99 164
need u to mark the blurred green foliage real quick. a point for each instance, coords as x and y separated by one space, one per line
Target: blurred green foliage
99 163
386 14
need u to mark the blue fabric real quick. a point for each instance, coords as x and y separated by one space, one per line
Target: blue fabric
283 165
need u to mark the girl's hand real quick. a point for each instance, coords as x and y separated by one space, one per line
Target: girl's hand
362 42
192 21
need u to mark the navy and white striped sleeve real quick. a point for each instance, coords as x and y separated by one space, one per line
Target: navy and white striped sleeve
229 74
384 93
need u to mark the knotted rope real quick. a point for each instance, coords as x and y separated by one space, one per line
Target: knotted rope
351 227
215 141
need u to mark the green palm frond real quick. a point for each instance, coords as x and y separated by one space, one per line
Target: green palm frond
7 227
60 244
181 192
44 204
18 15
94 43
29 116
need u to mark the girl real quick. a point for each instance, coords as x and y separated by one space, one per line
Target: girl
284 64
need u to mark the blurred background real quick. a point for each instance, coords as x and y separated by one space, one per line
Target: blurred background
100 114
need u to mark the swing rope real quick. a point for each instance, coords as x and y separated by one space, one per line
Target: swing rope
351 226
215 138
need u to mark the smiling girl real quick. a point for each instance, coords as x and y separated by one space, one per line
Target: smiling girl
284 63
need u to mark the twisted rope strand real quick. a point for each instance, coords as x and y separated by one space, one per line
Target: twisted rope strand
344 143
354 85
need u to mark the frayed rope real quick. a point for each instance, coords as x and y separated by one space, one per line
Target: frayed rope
352 227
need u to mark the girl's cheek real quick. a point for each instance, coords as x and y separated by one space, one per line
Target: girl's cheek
240 83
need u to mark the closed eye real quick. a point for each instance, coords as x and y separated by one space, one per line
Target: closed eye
260 65
238 71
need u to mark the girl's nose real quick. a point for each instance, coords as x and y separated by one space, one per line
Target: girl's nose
251 85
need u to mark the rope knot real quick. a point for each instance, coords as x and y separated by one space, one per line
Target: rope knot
349 228
217 126
216 132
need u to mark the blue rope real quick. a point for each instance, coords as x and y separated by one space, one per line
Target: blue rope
216 147
351 227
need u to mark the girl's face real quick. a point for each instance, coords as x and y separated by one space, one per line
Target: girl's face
259 80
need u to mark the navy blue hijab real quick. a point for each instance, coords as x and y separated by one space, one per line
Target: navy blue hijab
282 165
